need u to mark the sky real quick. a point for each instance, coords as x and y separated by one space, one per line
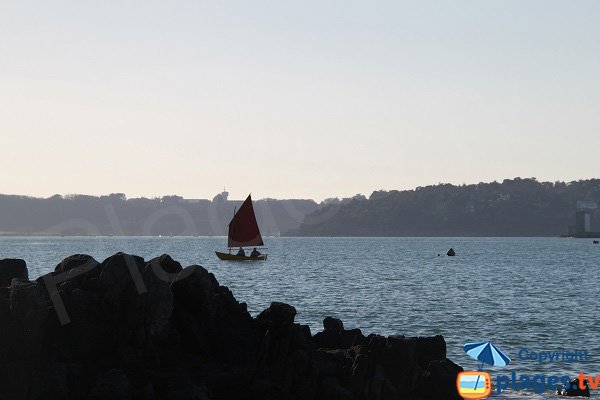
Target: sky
310 99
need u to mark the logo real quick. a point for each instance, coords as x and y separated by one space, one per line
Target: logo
474 384
478 384
553 356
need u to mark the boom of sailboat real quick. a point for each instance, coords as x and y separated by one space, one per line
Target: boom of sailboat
243 232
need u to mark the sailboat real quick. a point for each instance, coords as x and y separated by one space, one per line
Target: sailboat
243 232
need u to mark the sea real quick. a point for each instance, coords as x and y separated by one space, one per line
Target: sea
527 296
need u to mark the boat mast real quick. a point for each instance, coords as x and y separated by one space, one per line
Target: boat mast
234 211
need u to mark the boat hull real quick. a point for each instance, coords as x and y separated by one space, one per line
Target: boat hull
234 257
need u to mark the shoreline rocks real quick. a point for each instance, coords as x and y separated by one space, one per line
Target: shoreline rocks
12 268
132 329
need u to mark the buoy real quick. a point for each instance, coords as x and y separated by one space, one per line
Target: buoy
451 252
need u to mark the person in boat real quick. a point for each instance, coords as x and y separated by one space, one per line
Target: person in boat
255 253
241 252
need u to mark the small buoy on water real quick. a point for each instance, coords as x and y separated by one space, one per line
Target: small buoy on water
451 252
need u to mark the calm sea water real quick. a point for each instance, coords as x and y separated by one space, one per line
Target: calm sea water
535 293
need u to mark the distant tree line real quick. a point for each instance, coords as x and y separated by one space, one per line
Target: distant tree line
515 207
114 214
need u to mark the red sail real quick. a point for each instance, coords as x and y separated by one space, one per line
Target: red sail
243 229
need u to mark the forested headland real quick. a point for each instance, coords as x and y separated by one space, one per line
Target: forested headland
513 207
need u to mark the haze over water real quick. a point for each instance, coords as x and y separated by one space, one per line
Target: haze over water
535 293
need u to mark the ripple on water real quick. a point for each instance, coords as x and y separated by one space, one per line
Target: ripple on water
539 293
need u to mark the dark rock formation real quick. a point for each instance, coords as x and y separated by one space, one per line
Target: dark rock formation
136 330
11 268
451 252
573 389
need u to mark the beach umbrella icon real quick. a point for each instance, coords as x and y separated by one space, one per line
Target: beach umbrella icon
487 353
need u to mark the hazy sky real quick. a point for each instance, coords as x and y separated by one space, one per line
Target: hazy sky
295 99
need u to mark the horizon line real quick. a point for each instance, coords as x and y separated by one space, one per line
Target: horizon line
158 197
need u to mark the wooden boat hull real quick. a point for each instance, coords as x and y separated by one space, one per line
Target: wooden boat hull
233 257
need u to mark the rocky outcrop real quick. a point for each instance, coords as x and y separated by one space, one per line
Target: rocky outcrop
574 388
127 328
12 268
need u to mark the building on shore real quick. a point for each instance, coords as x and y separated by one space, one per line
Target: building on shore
583 220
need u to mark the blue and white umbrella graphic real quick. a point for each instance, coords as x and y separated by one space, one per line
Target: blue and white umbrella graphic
487 353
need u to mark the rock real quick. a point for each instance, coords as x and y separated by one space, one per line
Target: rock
437 381
120 270
76 271
573 389
112 385
330 388
30 306
159 302
196 292
23 340
360 371
401 356
335 336
89 335
451 252
166 264
154 330
195 310
350 338
333 324
4 304
12 268
183 388
122 284
212 323
327 339
77 261
277 316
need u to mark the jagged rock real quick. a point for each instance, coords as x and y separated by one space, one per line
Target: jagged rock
154 330
112 385
12 268
277 316
78 261
184 389
573 389
350 338
330 339
77 271
333 324
166 263
437 381
119 272
212 323
4 303
159 297
335 336
327 339
90 335
331 389
29 308
195 310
